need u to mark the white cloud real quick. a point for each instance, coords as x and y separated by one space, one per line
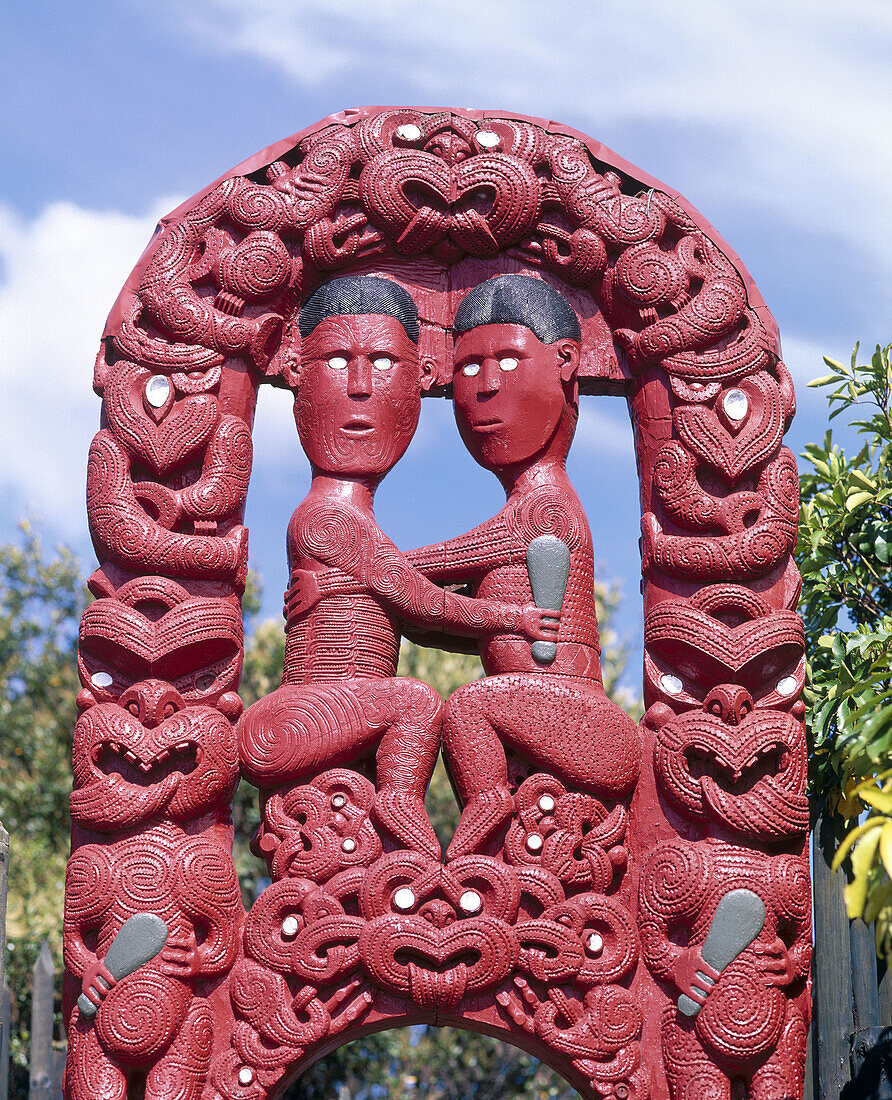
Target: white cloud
796 97
59 275
599 431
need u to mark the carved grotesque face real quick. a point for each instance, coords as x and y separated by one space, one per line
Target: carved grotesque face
150 757
509 392
359 395
733 754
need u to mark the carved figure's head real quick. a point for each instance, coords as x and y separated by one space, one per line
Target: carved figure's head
359 385
514 382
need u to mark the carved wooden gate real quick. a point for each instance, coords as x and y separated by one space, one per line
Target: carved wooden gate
631 906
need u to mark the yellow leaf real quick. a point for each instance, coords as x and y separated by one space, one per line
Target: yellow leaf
880 800
886 847
855 835
862 861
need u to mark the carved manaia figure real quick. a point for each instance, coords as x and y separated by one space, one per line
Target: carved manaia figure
516 404
351 589
145 767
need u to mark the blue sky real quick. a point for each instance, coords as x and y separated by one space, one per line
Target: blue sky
772 118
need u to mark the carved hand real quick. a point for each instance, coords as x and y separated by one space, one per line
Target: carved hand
686 975
303 593
180 958
774 961
97 981
539 624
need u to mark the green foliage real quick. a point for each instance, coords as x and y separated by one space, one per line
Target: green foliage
429 1063
41 599
844 554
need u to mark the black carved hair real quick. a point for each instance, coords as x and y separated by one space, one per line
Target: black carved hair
519 300
356 295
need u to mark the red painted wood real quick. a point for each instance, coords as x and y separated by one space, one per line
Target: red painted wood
574 905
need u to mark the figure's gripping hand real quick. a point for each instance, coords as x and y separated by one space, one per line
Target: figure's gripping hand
180 957
303 593
97 981
693 976
774 961
539 624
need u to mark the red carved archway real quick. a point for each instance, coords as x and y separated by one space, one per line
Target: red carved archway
577 947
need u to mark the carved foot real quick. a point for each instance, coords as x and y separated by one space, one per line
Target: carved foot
403 815
479 820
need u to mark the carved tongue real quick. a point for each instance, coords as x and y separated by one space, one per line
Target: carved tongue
432 989
767 808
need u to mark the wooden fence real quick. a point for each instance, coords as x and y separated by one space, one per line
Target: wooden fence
850 1046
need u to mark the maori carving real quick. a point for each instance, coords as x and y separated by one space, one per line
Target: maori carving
631 904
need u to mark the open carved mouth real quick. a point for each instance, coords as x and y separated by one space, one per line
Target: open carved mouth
358 426
115 759
766 762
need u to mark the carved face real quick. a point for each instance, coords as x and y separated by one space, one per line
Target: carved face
150 757
359 395
735 754
508 389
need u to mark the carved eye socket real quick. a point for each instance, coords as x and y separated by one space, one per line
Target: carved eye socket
337 362
508 363
470 369
382 362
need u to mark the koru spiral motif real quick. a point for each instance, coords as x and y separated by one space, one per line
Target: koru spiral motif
629 903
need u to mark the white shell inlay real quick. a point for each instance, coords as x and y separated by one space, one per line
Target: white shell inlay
671 684
338 801
290 927
787 685
470 369
595 943
101 680
245 1075
534 842
546 804
408 132
735 404
404 898
470 902
348 844
488 139
157 390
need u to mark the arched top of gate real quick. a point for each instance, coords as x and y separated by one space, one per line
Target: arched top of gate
550 200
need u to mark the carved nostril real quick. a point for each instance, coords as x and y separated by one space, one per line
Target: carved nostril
133 707
729 702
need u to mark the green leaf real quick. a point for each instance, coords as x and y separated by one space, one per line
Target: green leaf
857 499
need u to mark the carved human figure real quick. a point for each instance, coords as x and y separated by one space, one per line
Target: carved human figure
153 784
515 392
744 1022
351 589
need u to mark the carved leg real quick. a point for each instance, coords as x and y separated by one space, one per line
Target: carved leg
89 1074
781 1077
476 759
690 1071
182 1072
298 731
406 758
571 730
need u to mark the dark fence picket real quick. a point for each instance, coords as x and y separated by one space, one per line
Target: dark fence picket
42 997
831 966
